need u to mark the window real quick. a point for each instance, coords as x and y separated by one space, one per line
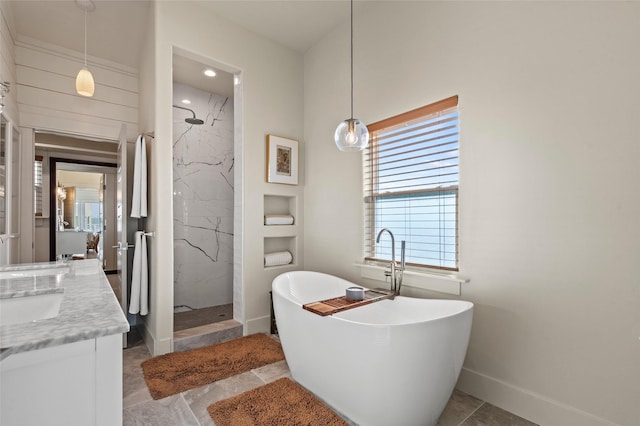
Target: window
37 185
88 209
411 186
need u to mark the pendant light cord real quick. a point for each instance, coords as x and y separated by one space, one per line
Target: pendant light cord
352 59
85 38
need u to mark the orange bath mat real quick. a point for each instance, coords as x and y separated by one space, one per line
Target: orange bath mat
177 372
282 403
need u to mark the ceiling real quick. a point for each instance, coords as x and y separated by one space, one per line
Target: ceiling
296 24
116 29
191 72
79 179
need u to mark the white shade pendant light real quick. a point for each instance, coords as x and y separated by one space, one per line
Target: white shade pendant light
351 134
84 81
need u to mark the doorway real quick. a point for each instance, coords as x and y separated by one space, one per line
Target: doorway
82 211
203 200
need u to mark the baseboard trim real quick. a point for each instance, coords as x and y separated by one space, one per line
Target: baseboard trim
529 405
258 325
147 337
164 346
156 347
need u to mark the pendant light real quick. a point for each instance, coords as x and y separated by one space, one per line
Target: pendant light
351 134
84 81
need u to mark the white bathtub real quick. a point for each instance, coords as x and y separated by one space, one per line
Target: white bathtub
393 362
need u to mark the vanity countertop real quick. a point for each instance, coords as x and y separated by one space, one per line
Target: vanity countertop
89 309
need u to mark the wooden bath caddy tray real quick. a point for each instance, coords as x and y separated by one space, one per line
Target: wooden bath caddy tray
338 304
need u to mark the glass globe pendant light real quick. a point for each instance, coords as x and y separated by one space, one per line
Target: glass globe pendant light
351 134
84 81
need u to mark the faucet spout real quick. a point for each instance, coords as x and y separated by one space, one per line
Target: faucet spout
393 270
393 243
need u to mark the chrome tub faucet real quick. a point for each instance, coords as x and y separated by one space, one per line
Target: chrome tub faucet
395 272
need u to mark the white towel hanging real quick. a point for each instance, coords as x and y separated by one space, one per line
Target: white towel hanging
140 277
139 196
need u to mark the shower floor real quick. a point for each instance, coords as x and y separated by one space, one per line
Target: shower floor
202 316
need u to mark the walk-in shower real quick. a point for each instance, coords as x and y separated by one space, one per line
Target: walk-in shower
192 120
203 204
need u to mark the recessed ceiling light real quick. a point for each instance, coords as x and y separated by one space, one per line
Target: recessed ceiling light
186 101
209 72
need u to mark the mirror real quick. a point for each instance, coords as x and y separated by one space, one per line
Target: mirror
3 175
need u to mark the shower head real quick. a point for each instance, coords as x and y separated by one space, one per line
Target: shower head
192 120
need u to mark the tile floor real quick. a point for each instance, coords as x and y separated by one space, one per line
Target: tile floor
190 408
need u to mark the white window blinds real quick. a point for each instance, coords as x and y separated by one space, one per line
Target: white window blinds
411 185
37 185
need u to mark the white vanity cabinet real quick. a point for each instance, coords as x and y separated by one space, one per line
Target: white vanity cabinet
75 384
65 369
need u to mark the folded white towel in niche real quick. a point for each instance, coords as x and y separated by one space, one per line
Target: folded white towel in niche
278 219
278 258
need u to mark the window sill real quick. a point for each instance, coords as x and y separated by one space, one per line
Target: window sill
442 282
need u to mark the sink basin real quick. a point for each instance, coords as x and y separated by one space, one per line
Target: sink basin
18 310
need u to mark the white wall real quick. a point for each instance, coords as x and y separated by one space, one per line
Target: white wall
146 76
146 116
48 100
272 92
549 228
7 60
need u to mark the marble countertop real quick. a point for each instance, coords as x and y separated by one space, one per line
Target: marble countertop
89 308
32 279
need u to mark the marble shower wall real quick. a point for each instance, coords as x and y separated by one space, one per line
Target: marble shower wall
202 199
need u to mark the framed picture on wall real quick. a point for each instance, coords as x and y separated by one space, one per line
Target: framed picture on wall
282 160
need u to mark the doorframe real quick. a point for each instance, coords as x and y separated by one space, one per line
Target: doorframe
53 198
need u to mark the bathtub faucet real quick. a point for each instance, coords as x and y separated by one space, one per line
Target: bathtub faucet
395 272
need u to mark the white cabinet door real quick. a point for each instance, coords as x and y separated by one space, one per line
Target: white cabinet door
77 384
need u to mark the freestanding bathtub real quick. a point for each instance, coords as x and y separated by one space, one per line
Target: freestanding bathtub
392 362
